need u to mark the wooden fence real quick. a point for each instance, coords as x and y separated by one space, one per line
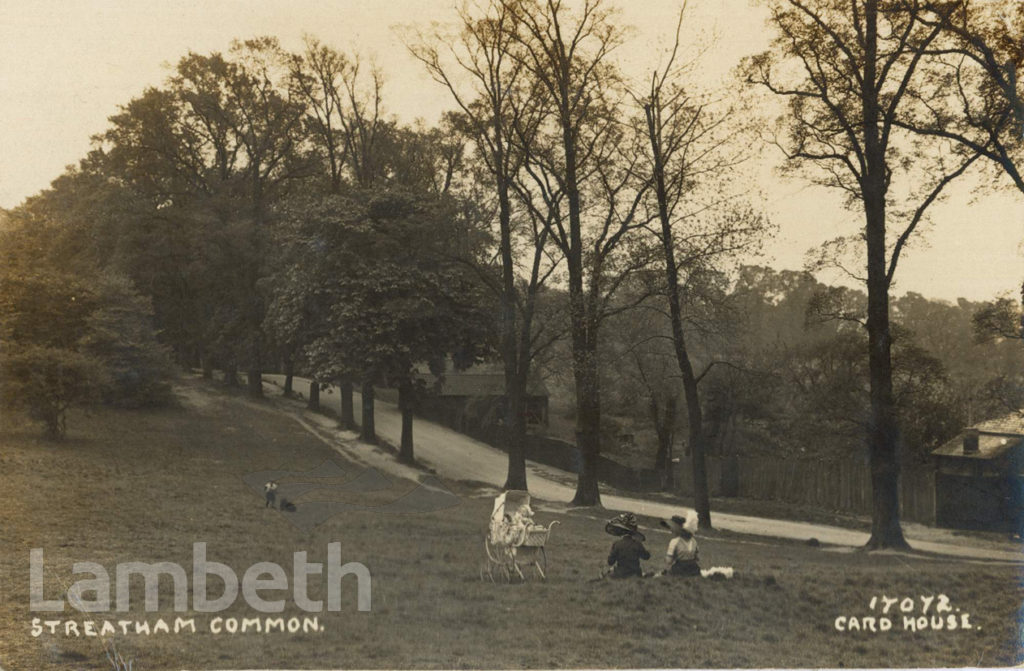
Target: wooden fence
839 485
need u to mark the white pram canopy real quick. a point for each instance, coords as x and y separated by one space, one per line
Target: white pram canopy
512 520
512 501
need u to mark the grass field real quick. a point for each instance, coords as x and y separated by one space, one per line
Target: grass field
145 485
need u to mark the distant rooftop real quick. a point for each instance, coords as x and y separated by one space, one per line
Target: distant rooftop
1013 423
990 446
995 438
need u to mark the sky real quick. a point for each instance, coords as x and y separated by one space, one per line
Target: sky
66 65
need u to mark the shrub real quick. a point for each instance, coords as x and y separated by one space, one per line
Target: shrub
46 381
64 341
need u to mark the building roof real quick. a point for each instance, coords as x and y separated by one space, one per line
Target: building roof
1013 423
991 445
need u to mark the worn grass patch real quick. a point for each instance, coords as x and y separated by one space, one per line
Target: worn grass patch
144 486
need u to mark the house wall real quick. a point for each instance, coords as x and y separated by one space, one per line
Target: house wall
972 502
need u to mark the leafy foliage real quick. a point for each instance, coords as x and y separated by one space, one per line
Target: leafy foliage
46 381
65 341
999 319
803 389
377 288
119 334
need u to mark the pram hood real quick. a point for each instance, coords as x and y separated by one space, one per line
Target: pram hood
510 501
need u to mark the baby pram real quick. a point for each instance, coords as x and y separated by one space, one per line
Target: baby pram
513 539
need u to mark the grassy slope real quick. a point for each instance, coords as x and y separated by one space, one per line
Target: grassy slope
143 486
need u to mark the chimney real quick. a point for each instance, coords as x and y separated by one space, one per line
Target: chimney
971 441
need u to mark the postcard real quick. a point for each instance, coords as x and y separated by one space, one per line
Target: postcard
511 334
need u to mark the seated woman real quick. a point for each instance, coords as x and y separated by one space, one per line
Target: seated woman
626 552
681 557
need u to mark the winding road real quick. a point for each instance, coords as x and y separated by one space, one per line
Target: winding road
456 456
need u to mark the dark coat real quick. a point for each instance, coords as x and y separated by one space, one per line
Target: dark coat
625 557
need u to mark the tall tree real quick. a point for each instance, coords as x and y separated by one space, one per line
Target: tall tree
69 339
388 298
689 149
856 63
583 182
217 146
265 114
349 130
346 116
477 67
998 319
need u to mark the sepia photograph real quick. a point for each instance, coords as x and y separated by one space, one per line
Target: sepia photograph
511 334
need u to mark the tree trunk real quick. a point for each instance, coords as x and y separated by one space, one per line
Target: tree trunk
883 432
254 372
664 425
583 326
369 432
701 496
206 363
702 502
289 375
313 403
588 421
516 361
348 417
406 404
515 430
255 381
231 376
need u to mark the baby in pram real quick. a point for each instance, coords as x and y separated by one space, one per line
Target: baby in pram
516 527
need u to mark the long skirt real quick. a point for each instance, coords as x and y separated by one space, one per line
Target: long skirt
685 568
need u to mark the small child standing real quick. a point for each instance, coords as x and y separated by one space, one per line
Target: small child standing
681 557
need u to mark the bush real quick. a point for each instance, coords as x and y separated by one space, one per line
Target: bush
46 381
64 341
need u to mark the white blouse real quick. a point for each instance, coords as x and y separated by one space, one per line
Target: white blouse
681 549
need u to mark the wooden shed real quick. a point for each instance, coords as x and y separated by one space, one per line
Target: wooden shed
979 477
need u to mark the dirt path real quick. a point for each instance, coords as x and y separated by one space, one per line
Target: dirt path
459 457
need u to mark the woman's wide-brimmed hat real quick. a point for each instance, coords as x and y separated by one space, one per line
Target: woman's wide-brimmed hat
623 525
679 523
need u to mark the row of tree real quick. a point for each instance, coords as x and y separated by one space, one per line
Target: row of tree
274 211
890 101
